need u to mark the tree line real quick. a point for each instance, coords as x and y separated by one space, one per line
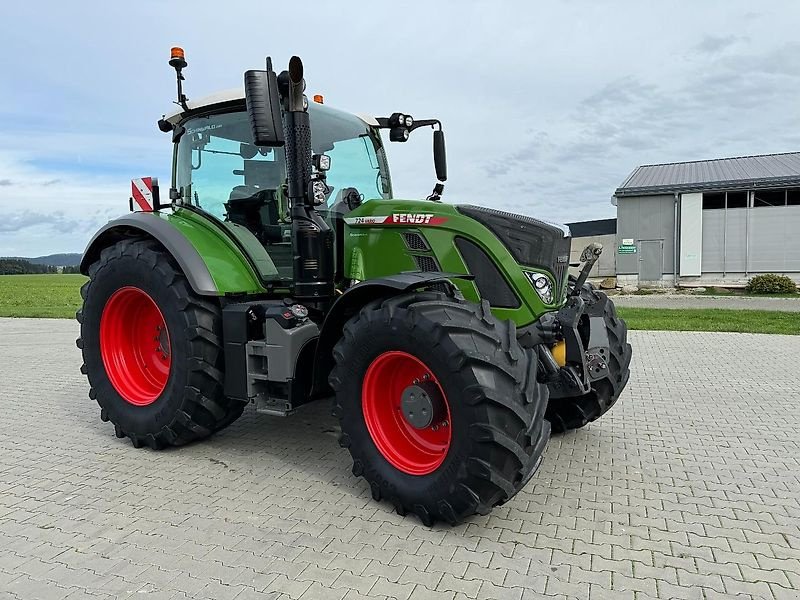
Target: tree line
18 266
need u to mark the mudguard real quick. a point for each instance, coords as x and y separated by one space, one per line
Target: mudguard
356 297
212 263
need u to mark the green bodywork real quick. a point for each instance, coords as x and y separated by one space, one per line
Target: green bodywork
371 250
378 250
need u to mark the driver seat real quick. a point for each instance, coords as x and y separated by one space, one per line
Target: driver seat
256 209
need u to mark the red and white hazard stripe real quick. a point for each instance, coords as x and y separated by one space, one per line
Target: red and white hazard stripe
142 192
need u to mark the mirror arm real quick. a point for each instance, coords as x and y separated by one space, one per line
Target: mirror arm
426 123
383 123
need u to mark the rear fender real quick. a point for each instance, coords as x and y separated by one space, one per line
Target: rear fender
213 265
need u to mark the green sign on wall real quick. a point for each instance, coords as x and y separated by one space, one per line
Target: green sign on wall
627 248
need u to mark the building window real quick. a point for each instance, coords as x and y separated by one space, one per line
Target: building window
769 198
719 200
737 199
713 200
793 197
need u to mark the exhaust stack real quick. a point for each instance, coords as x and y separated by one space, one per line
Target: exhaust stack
269 98
312 238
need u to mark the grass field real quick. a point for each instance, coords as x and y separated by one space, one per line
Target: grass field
711 319
59 296
51 296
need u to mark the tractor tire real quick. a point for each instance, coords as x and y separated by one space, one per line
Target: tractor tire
485 430
152 349
574 412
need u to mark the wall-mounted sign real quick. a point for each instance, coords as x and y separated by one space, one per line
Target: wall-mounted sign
627 249
627 241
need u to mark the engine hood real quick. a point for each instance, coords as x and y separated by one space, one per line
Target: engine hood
532 242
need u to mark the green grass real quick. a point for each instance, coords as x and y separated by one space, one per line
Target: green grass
711 319
52 296
58 296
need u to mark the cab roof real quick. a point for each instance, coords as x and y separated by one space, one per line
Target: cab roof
237 95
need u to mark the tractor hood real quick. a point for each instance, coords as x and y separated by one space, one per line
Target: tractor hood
508 254
532 242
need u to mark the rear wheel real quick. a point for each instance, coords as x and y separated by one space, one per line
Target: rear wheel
439 406
152 348
573 412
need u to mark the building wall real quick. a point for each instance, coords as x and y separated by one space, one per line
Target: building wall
644 218
736 242
739 242
606 265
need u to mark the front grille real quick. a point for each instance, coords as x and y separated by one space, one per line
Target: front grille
426 263
415 241
531 242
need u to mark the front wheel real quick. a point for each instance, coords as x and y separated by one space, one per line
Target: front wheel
439 406
573 412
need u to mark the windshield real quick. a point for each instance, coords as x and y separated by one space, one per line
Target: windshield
217 162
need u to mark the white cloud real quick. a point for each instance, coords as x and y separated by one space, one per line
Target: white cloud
547 106
44 211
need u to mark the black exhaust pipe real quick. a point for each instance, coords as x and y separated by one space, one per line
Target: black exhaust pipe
312 238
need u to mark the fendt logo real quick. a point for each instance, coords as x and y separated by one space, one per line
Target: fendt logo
411 218
417 219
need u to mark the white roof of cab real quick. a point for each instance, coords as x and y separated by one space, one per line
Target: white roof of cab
231 95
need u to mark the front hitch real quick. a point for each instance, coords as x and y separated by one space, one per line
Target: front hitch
585 359
572 379
587 355
589 256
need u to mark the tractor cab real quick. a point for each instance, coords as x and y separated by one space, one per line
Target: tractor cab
220 171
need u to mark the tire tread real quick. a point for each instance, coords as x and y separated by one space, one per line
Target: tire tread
506 445
204 409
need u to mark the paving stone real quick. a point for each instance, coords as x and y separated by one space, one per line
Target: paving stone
688 488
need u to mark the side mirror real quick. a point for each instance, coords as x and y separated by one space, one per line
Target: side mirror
439 155
263 106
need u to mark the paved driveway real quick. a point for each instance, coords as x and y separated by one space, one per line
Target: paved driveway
699 301
689 488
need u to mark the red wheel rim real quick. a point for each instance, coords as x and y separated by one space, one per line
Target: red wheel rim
413 451
134 345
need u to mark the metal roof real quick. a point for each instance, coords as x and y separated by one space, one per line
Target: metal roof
764 170
591 228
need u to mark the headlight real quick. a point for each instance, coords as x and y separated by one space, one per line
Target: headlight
319 191
541 283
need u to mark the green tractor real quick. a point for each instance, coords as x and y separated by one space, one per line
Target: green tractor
281 270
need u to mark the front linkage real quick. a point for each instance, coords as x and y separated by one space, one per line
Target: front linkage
596 352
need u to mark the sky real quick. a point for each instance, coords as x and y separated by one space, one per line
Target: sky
547 107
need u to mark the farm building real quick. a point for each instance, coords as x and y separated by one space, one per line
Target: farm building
603 231
709 222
